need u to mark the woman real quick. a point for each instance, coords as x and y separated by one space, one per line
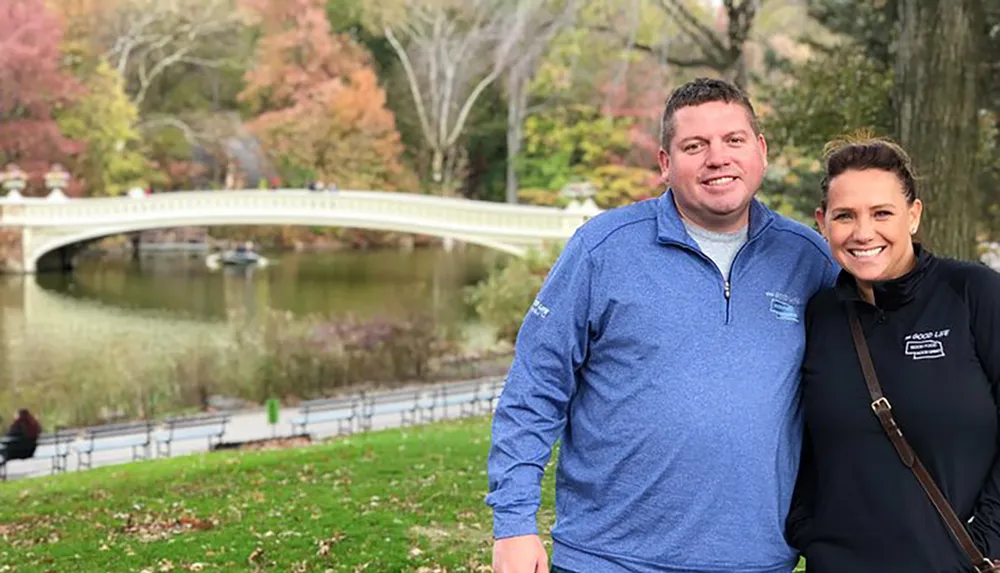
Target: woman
22 437
932 326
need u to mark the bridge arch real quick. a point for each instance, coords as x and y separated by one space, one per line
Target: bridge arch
49 226
63 241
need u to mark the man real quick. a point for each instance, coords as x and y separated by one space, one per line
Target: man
664 348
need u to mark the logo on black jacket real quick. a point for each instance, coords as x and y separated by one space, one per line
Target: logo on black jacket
926 345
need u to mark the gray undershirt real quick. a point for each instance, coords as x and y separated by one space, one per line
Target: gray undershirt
720 247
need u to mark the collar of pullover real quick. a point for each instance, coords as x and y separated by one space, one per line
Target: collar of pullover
670 226
892 294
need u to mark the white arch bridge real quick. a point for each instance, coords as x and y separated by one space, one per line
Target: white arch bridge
50 228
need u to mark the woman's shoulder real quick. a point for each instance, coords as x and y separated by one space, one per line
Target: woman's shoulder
823 305
970 280
825 299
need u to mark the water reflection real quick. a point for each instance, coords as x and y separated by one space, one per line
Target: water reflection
114 325
386 283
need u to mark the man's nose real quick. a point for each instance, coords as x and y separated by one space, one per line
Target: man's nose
718 155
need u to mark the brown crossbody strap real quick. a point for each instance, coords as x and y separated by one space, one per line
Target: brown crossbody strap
883 411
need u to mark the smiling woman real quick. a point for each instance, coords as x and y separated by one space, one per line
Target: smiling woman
927 331
870 211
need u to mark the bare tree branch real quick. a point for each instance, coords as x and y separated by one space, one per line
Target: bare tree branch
192 136
147 37
532 49
633 30
451 52
661 52
414 84
720 52
703 35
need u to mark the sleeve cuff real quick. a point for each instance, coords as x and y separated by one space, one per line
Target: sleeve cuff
515 521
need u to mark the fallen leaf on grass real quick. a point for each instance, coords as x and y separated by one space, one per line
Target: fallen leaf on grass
326 544
151 527
257 553
195 523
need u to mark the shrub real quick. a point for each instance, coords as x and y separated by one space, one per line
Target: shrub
503 297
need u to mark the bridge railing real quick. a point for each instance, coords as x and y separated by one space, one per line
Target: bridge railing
503 219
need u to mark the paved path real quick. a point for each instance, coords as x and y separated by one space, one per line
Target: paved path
242 427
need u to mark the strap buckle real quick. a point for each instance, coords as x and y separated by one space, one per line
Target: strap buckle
985 566
883 402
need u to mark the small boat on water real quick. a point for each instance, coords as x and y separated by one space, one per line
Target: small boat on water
238 257
241 256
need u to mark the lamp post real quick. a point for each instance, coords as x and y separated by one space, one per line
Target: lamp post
13 181
56 181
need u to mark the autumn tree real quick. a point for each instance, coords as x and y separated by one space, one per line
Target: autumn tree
104 119
578 143
32 86
322 113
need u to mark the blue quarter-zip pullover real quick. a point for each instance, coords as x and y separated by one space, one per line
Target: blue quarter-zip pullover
674 391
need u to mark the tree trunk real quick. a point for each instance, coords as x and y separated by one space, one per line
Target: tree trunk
517 101
937 82
738 73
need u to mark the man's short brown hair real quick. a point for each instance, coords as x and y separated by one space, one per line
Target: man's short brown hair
697 92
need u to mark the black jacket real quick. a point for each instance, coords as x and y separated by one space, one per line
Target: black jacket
934 336
22 447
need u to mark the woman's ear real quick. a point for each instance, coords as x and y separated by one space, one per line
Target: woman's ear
915 211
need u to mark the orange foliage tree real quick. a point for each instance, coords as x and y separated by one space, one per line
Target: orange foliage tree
321 112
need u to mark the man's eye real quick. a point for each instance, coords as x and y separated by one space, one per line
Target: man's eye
692 147
738 140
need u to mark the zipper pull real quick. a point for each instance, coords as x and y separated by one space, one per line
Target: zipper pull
727 290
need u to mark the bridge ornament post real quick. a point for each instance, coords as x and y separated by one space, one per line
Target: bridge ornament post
581 196
56 181
12 180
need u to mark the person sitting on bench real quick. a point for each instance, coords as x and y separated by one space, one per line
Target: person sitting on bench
21 439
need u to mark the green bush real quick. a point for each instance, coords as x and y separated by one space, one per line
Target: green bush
505 295
276 355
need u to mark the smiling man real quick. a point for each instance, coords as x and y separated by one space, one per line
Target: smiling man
668 364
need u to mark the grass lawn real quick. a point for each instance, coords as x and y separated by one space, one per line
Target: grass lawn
396 500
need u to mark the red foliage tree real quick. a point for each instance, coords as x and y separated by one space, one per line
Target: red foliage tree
320 106
640 95
32 87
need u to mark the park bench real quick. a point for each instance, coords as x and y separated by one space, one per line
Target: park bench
496 388
472 397
209 426
412 405
343 410
53 446
134 435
